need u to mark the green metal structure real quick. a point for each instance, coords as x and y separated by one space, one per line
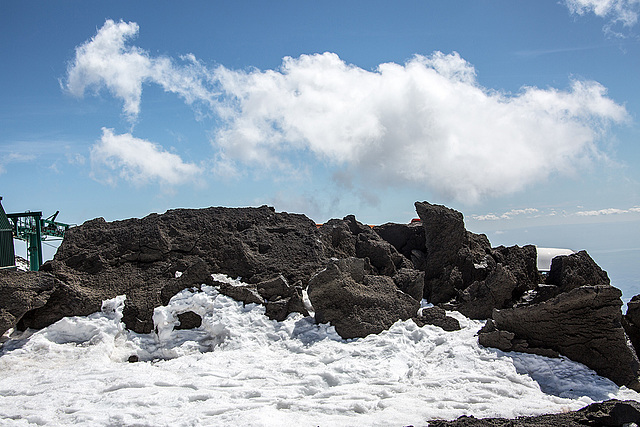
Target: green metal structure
30 227
7 252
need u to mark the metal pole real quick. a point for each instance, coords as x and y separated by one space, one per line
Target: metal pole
38 219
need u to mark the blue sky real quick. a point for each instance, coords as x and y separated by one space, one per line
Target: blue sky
522 115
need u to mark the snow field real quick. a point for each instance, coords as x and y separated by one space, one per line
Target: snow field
240 368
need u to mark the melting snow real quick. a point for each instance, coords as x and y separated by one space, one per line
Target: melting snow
240 368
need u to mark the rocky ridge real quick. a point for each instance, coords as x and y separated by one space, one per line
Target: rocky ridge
361 279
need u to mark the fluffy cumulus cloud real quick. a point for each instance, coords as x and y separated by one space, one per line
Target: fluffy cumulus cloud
426 123
138 161
106 61
623 12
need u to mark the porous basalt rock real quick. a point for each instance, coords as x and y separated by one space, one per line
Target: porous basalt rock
410 282
479 299
140 257
437 316
572 271
583 324
189 320
631 322
463 272
613 413
22 292
407 239
349 238
356 302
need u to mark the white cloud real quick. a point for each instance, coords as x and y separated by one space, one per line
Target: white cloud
507 215
107 61
138 161
623 12
536 213
426 124
488 217
609 211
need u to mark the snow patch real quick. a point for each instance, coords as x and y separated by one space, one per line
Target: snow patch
240 368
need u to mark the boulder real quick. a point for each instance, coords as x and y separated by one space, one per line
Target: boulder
608 413
438 317
356 302
572 271
189 320
583 324
455 257
22 292
140 258
522 262
445 236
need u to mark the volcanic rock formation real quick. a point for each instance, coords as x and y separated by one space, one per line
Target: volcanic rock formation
583 322
358 278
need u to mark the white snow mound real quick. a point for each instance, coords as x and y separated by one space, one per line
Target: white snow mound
240 368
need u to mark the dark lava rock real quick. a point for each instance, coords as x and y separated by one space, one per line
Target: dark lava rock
139 257
479 299
21 292
445 235
279 298
609 413
189 320
407 239
583 324
350 238
410 282
463 272
522 262
572 271
356 302
438 317
631 322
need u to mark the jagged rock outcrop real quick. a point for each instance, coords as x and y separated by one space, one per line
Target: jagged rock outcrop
410 282
463 272
631 322
21 292
356 302
480 298
408 239
350 238
583 324
277 295
140 258
359 279
572 271
153 258
613 413
445 236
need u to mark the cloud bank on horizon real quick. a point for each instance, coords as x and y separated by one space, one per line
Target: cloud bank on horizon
427 123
